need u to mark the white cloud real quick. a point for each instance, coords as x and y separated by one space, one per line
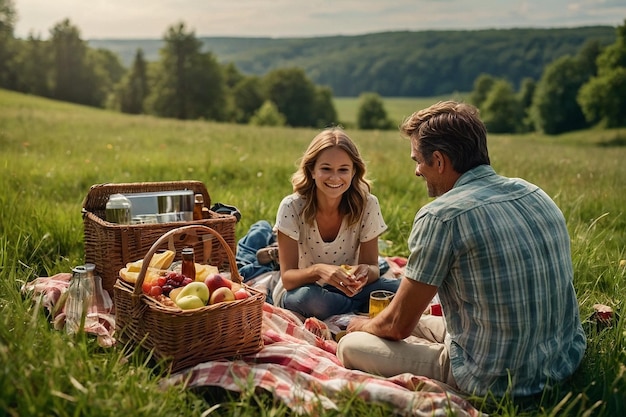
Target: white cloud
291 18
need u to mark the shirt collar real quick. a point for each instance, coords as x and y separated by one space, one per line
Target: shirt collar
481 171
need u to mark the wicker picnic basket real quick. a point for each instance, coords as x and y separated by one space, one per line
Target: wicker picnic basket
186 338
111 246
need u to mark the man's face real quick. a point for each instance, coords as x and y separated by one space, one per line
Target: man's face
429 172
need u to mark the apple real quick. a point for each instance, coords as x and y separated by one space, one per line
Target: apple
241 294
215 281
187 302
221 294
174 292
195 288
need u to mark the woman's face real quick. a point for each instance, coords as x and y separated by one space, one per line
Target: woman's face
333 172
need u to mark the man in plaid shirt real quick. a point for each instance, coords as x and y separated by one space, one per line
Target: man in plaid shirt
497 252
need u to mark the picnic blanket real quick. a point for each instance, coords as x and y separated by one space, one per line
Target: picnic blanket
300 368
298 365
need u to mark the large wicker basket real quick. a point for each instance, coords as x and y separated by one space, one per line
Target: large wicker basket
184 338
111 246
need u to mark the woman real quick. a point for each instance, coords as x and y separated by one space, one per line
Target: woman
327 233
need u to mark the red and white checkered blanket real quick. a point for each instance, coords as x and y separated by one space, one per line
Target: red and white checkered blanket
301 369
298 365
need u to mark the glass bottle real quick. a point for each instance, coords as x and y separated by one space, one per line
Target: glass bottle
188 267
198 206
101 302
118 209
79 299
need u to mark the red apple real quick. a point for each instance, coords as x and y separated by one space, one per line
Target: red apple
215 281
220 295
241 294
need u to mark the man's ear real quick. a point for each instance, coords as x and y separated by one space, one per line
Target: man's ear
439 161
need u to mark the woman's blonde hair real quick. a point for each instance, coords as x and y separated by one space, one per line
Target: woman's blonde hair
353 201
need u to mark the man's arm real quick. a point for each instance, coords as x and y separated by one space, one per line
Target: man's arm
398 320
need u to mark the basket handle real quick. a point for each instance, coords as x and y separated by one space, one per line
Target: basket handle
192 230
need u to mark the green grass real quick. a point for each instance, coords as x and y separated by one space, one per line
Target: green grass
397 108
51 153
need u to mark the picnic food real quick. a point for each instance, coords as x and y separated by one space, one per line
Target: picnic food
198 289
220 295
215 281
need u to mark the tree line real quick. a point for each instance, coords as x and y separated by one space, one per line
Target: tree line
573 92
188 82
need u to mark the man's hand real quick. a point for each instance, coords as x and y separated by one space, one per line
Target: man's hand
357 324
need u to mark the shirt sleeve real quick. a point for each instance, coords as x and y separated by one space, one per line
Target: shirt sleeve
431 250
372 223
288 218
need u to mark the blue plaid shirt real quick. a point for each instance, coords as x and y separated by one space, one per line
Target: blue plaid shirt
499 251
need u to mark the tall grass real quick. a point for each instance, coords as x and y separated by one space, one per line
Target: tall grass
51 153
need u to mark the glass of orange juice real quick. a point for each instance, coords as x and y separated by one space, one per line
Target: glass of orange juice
379 299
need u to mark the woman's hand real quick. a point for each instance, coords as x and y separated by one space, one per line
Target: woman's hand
340 277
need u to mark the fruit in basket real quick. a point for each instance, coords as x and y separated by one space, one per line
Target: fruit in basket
199 289
221 294
173 294
203 271
131 276
189 301
161 260
215 281
241 294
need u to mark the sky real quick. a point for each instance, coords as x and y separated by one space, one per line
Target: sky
150 19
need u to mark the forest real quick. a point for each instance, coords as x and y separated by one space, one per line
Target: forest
393 64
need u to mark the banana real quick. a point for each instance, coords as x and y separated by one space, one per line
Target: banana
159 261
131 276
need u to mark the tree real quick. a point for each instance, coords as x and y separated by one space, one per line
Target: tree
482 85
133 89
501 111
268 115
525 97
7 43
188 84
248 97
555 109
324 108
371 113
34 61
294 95
68 70
603 97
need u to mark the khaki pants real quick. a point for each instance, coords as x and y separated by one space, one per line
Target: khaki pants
424 353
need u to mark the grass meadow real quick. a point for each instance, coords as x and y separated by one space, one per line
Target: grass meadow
52 152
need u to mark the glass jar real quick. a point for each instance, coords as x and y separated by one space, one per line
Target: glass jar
79 300
118 209
188 266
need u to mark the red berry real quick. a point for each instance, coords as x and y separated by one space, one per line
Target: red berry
156 290
186 281
146 287
161 281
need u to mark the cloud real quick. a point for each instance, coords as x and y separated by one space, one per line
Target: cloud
290 18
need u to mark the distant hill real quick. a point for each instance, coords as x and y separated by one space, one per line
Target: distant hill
393 64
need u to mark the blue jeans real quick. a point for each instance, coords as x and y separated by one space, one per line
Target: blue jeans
323 302
259 236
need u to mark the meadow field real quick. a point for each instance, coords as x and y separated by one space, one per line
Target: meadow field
51 153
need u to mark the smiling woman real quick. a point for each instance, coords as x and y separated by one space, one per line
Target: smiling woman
331 220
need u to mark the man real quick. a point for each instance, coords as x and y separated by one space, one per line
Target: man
497 252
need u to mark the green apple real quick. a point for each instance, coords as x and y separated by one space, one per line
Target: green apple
199 289
187 302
